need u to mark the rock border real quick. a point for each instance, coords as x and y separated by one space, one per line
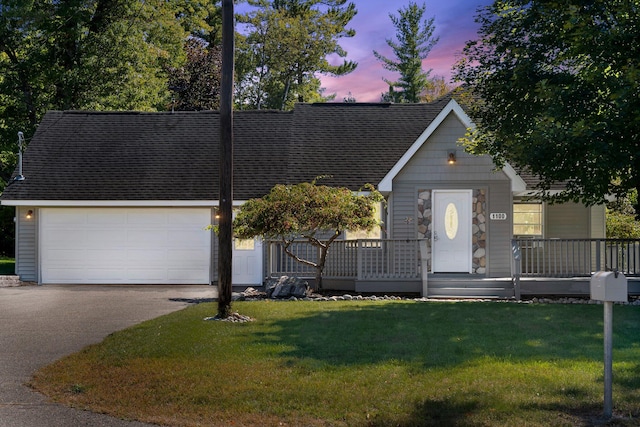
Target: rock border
251 294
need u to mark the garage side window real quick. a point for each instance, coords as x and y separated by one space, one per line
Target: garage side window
527 219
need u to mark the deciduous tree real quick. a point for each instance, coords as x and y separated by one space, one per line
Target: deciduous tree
84 54
195 86
557 90
286 48
316 213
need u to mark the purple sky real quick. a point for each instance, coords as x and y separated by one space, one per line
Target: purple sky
454 24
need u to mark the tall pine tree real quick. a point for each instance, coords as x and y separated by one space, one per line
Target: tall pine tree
415 40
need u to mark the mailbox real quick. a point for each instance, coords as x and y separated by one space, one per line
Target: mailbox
609 286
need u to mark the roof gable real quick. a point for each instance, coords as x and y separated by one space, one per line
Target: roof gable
385 185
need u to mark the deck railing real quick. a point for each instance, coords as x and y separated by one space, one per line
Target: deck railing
575 257
364 259
399 259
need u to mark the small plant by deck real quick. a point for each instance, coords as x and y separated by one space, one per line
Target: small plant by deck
365 363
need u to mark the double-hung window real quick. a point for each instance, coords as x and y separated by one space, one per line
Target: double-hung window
527 219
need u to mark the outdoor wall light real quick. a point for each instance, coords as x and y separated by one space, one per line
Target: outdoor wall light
451 157
29 214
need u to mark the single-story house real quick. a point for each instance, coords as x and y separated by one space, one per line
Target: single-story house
125 197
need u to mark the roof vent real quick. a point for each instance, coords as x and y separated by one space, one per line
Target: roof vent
20 177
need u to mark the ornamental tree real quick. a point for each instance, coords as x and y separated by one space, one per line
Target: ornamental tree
557 90
315 213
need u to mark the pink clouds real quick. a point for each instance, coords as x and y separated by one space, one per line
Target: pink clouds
454 24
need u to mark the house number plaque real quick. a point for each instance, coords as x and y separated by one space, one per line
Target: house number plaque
498 216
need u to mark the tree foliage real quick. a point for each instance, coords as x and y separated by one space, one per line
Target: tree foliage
86 54
556 85
286 47
415 40
317 213
621 221
195 85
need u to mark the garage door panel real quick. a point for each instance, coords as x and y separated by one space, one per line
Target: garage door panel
189 238
104 275
182 276
147 238
185 217
66 217
148 257
105 259
63 238
64 257
85 275
125 245
107 218
145 218
187 258
105 238
144 274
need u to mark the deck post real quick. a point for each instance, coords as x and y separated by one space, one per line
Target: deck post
360 262
424 267
517 268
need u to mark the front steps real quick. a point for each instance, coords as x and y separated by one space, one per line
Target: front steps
469 286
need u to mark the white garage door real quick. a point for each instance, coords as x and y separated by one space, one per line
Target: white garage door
125 245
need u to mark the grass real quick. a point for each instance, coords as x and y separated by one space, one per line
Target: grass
368 363
7 266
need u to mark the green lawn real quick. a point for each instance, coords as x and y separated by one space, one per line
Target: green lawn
365 363
7 266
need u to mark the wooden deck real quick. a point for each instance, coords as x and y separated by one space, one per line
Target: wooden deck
541 267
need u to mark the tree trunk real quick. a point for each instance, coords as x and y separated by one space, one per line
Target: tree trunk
225 236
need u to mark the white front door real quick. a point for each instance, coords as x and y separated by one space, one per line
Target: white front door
247 262
452 229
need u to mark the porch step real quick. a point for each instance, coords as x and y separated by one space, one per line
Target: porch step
490 293
469 287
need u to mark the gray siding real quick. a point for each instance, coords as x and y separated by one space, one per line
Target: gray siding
598 222
26 245
428 170
567 221
499 232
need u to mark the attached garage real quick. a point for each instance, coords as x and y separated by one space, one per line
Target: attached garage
124 245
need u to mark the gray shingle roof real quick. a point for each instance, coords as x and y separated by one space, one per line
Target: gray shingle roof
174 156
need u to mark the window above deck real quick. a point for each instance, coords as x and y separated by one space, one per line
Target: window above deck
527 219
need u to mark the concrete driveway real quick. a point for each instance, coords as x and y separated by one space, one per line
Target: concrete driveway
40 324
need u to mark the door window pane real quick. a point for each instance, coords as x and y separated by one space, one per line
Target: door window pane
451 221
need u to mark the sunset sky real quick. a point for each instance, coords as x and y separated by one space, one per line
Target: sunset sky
454 24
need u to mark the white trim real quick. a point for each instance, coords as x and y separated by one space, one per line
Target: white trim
517 183
386 185
118 203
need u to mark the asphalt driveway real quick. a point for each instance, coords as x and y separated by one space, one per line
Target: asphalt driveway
40 324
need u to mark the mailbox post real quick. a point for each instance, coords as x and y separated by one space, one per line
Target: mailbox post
609 287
